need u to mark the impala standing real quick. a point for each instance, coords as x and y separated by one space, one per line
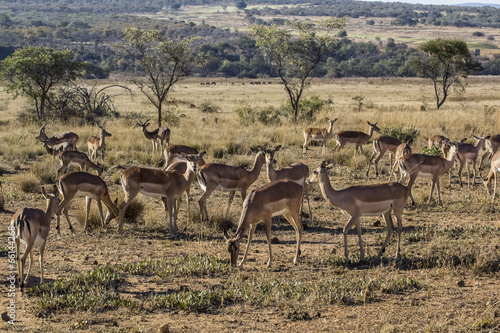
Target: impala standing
355 137
467 154
495 167
428 166
318 134
227 178
297 172
367 200
95 143
272 199
491 145
32 227
76 158
171 151
92 187
402 150
380 146
70 137
168 185
57 149
158 137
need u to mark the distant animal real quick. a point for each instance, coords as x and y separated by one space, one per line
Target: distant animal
69 137
96 143
318 134
355 137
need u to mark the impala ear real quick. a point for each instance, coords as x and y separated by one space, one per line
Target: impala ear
277 148
323 165
202 154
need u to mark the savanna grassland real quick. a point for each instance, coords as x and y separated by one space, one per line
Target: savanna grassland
445 281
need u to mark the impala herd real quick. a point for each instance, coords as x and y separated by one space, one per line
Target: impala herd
282 195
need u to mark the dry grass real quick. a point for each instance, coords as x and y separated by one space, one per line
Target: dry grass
441 245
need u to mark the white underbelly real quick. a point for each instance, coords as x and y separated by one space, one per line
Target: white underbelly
423 174
85 193
376 208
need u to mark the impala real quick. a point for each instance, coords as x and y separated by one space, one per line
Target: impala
491 145
171 151
354 137
83 184
428 166
380 146
402 150
158 137
96 143
227 178
318 134
168 185
274 198
76 158
467 154
70 137
57 149
32 226
365 200
495 167
297 172
437 141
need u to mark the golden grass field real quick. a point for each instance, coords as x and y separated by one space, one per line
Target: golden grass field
446 280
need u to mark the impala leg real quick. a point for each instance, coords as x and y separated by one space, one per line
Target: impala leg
370 164
29 266
467 165
202 202
42 249
494 186
390 227
63 206
268 222
410 185
360 239
474 174
294 219
231 196
88 201
348 226
399 219
28 251
129 196
250 236
306 194
99 205
304 147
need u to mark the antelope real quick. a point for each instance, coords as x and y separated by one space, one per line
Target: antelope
70 137
158 136
495 167
402 150
181 167
171 151
57 149
380 146
468 153
169 185
318 134
437 141
77 158
365 200
428 166
95 143
227 178
491 146
83 184
354 137
297 172
274 198
32 226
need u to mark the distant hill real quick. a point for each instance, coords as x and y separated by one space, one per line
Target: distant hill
471 4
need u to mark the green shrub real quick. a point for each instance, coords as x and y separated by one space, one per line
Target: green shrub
406 135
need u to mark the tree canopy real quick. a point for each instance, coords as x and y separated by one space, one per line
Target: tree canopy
448 64
34 71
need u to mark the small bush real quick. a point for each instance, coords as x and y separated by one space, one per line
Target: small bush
434 151
478 34
208 107
406 135
29 183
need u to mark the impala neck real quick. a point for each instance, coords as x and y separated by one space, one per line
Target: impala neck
329 193
330 129
260 159
52 207
101 142
450 160
370 132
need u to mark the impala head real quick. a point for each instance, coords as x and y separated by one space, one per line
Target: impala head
233 247
143 124
103 130
480 141
270 154
330 122
111 215
52 198
194 160
314 177
41 134
374 127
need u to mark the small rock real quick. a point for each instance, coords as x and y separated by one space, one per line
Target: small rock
5 316
461 283
95 263
376 223
163 329
275 240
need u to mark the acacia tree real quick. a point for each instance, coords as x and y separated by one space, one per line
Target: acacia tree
163 60
294 54
33 72
448 64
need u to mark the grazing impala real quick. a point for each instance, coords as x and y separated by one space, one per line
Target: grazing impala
495 167
428 166
92 187
380 146
467 154
227 178
171 151
76 158
57 149
32 226
158 137
95 143
402 150
297 172
168 185
69 137
272 199
354 137
318 134
366 200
